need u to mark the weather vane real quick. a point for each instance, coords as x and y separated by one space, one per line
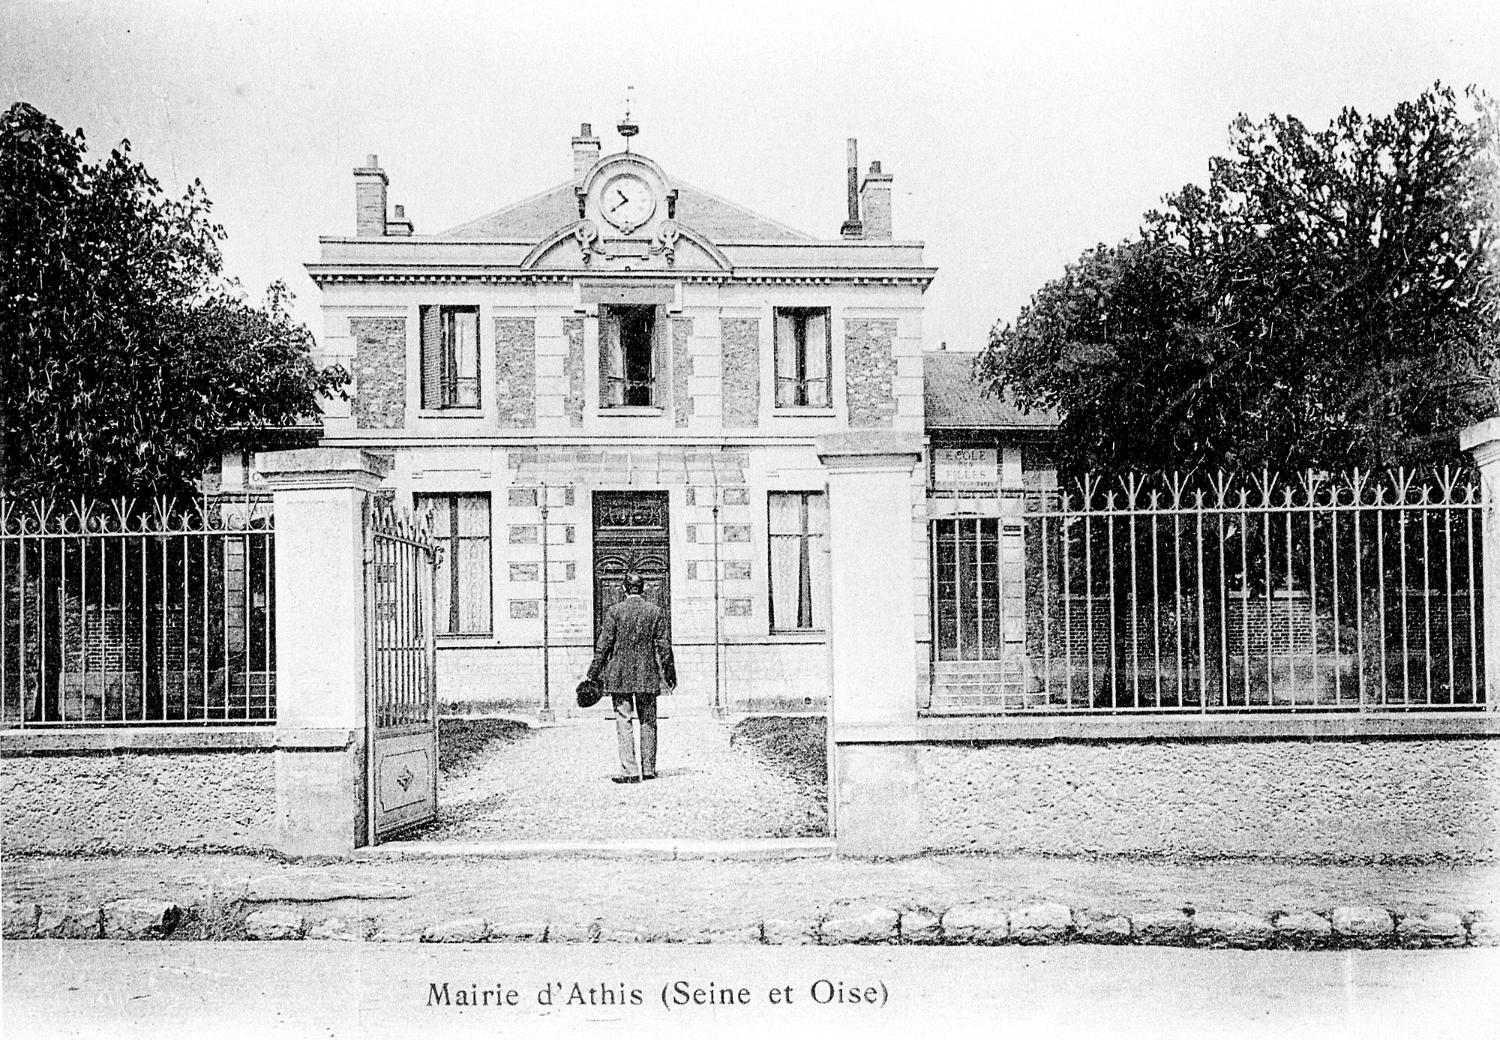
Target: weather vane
626 128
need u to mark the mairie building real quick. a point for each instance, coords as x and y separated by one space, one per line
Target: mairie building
625 372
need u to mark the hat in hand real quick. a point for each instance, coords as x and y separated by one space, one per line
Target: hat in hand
589 693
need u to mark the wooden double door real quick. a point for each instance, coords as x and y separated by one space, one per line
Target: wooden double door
631 535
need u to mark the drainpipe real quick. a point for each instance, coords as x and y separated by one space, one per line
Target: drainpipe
547 714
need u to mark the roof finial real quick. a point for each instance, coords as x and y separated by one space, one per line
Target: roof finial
626 128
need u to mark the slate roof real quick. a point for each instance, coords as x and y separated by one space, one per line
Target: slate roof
954 401
531 220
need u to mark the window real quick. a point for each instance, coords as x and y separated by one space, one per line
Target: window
629 358
450 357
802 357
461 527
799 560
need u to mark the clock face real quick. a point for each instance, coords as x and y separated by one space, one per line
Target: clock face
627 202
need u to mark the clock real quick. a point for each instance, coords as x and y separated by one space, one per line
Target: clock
627 202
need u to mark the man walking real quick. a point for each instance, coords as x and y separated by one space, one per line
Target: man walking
633 659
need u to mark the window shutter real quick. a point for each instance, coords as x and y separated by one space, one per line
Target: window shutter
815 370
611 361
786 359
432 357
658 359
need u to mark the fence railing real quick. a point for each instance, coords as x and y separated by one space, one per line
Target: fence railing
1173 594
126 614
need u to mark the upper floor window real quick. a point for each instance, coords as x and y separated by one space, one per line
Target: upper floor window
630 368
803 357
450 357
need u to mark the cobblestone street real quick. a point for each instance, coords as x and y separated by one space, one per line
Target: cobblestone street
552 784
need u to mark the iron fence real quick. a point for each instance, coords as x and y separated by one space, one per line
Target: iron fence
113 614
1175 593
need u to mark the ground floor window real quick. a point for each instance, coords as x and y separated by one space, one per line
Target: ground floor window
799 560
461 527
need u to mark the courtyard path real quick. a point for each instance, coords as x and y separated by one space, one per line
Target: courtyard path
553 785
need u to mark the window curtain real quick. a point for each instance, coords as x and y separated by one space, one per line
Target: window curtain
786 359
815 355
463 332
473 559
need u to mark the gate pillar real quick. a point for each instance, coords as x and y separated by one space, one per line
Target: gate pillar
320 499
872 636
1482 441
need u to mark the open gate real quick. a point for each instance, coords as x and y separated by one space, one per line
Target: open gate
400 673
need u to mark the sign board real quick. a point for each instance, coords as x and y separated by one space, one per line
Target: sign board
965 467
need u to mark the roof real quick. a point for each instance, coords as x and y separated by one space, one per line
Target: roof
533 219
954 401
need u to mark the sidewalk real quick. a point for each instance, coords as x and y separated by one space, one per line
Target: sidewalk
593 898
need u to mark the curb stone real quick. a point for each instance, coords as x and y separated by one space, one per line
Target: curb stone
1232 930
1363 926
1041 924
1436 929
1102 926
976 924
1483 929
872 926
269 925
140 919
517 931
70 922
776 932
573 932
341 929
921 927
1303 930
1163 927
19 920
461 930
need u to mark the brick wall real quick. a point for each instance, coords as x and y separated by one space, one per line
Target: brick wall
682 370
573 403
870 371
515 372
379 372
741 371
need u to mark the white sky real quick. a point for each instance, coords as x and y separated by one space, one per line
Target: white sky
1018 134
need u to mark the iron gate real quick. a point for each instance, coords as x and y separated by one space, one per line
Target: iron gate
400 673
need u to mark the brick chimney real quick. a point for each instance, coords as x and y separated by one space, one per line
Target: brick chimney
585 150
369 198
398 224
852 227
875 202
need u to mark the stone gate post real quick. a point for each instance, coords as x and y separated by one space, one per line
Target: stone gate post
872 637
1482 440
320 496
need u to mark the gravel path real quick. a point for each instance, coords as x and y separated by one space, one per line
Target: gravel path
553 785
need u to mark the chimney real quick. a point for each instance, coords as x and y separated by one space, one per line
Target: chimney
398 224
369 198
875 201
585 150
852 227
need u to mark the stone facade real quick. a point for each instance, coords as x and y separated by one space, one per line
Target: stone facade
573 403
682 370
870 371
741 372
379 372
515 372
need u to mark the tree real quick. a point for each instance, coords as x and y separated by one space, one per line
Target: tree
126 354
1331 300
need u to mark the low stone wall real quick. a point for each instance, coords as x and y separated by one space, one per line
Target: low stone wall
1351 800
97 801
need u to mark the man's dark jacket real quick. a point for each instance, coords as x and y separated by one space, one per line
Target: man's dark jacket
634 650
